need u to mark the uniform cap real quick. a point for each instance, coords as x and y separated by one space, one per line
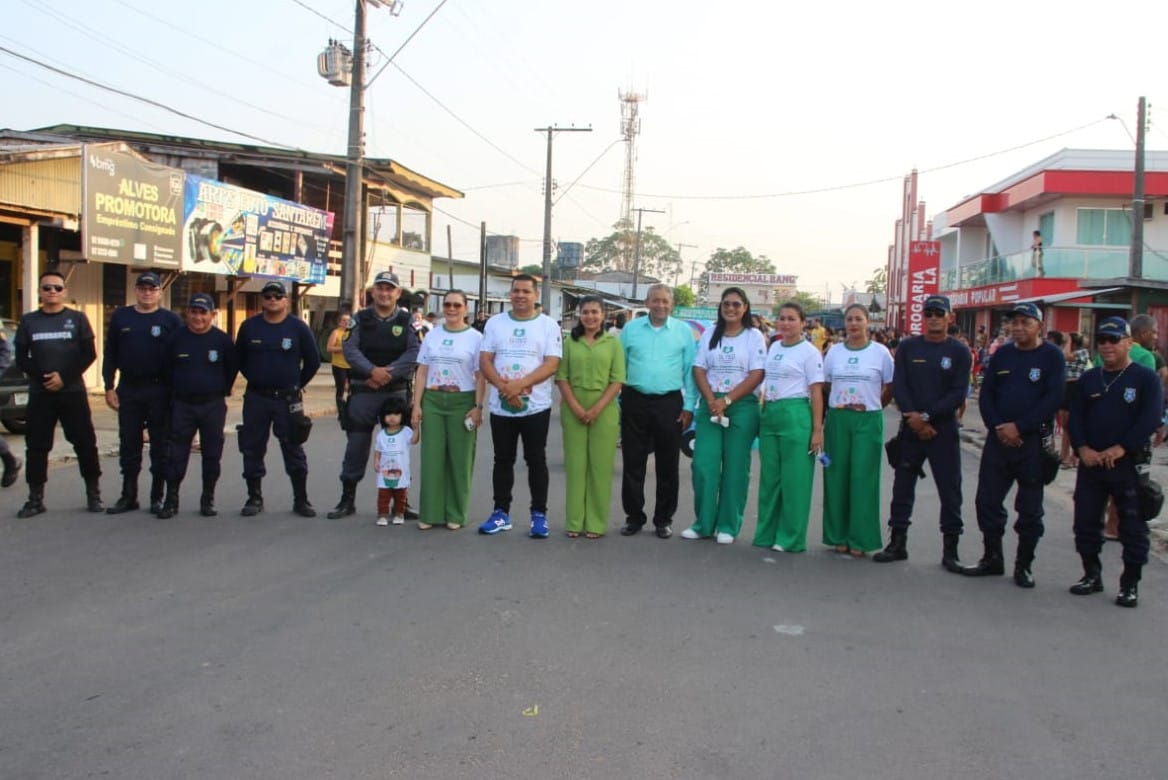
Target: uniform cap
274 287
938 302
201 301
1113 326
148 278
1027 310
387 277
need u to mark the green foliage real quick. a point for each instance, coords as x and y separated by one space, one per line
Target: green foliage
878 281
809 301
535 269
736 261
616 252
683 295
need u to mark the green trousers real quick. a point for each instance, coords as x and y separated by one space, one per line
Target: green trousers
851 484
721 467
786 474
448 454
589 461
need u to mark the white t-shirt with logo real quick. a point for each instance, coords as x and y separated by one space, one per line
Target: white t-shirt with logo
520 347
734 357
857 376
790 371
451 357
394 462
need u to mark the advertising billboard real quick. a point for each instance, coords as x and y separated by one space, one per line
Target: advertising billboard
233 231
131 208
924 262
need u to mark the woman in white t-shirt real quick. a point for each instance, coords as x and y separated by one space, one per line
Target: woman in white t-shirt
858 377
790 434
448 394
727 369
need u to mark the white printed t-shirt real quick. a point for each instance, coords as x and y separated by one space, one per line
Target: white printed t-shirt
394 451
451 357
734 357
790 371
857 376
520 347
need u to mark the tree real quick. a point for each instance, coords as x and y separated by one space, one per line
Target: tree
617 251
534 269
683 295
809 301
734 261
878 281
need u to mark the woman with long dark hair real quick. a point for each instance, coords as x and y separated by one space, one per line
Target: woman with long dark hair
591 374
727 369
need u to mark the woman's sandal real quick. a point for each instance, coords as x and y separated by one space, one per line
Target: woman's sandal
573 534
858 553
591 535
424 526
453 527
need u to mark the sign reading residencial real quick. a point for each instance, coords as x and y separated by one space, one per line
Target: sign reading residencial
132 208
237 232
769 280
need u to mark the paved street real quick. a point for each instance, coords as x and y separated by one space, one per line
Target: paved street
279 647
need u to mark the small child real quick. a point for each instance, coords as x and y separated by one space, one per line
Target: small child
391 461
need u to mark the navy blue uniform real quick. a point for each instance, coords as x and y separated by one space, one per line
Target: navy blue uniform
201 368
931 378
135 351
1024 387
1113 407
277 360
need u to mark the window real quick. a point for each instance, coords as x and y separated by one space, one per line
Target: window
1046 227
1103 227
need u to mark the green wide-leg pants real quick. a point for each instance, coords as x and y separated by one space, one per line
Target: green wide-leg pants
851 484
786 474
448 454
721 467
589 462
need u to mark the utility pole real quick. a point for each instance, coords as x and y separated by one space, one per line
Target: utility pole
546 293
1135 263
677 270
637 253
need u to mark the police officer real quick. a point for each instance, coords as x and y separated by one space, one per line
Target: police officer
135 346
201 368
1023 386
54 346
929 383
1115 412
382 349
278 356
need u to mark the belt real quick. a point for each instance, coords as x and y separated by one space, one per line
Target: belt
279 394
199 398
667 394
140 381
361 387
447 389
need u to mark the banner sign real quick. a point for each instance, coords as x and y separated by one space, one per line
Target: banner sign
924 263
234 231
696 313
769 280
131 208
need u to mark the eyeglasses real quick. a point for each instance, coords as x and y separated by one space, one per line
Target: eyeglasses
734 304
148 288
52 288
1107 339
934 313
451 305
273 297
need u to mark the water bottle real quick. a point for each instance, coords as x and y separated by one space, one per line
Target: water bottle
824 459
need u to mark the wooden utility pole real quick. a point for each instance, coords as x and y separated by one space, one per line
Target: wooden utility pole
637 253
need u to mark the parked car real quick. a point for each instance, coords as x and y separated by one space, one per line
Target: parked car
13 389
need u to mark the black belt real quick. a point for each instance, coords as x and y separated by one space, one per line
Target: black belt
280 394
635 391
140 381
199 398
358 386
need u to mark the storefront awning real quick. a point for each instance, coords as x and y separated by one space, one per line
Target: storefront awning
1067 296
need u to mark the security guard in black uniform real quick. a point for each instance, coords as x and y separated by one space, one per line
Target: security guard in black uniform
201 368
54 345
278 356
381 348
1113 415
135 346
1024 385
929 384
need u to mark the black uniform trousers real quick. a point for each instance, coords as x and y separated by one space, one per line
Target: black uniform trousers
205 415
143 405
71 408
943 453
1000 468
506 431
264 412
649 424
1092 488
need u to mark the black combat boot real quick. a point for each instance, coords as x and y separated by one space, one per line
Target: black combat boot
1129 585
128 500
300 504
93 495
255 498
207 499
35 504
1092 580
896 549
1022 576
169 506
345 506
12 466
156 487
991 563
949 558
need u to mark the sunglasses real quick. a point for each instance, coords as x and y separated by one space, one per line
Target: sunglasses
52 288
734 304
451 305
934 313
273 297
1107 339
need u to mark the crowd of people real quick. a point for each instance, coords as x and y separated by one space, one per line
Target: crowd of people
633 390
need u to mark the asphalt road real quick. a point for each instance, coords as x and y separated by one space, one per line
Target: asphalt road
280 647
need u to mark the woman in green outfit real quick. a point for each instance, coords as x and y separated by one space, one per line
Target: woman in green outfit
858 377
727 370
448 394
590 376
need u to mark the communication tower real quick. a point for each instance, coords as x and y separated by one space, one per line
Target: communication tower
630 128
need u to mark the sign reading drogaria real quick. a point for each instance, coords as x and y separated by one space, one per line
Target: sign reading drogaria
132 208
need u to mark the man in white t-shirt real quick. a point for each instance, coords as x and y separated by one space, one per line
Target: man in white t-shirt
521 351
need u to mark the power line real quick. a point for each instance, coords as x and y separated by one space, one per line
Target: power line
406 42
590 166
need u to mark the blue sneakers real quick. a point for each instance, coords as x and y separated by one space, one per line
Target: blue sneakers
498 521
539 528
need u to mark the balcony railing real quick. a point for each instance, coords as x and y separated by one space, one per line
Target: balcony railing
1065 263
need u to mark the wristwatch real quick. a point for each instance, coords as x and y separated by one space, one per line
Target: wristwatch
924 416
727 399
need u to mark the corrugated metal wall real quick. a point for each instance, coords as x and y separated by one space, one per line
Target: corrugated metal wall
43 185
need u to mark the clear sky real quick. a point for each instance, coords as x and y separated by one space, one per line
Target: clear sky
744 99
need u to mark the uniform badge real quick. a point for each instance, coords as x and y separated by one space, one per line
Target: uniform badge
396 330
946 362
155 330
285 344
1035 374
1129 394
213 355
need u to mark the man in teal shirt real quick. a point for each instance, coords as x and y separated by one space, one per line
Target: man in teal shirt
656 406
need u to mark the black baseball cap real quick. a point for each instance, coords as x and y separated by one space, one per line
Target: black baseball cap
148 278
201 301
274 287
